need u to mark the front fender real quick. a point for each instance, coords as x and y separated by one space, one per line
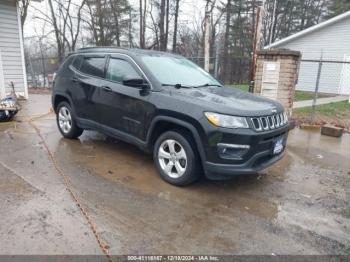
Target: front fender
181 123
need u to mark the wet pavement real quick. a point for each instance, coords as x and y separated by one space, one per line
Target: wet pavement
299 206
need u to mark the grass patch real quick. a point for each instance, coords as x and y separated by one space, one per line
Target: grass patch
339 110
242 87
337 113
304 95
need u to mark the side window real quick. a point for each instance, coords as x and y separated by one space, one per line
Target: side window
77 62
93 66
118 69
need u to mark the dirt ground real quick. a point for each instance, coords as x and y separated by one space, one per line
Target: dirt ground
299 206
337 114
39 90
322 120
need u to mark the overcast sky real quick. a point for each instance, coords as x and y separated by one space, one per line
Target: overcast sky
190 12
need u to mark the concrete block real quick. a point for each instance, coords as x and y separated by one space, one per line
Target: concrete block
309 127
330 130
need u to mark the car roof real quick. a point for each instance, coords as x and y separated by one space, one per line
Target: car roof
120 50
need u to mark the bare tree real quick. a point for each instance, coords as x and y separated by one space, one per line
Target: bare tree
65 26
227 38
58 34
154 28
176 17
143 12
161 26
166 36
23 8
71 26
108 21
112 22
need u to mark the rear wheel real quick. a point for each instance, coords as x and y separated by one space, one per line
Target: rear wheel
176 159
66 122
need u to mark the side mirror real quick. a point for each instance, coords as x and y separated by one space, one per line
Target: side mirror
135 82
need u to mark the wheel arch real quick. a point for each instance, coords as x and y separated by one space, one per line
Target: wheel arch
161 124
58 98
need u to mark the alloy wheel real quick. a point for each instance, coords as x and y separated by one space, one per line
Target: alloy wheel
65 119
172 158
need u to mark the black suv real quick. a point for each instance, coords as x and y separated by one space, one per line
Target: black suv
168 106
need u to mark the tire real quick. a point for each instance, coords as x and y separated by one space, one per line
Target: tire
66 122
176 158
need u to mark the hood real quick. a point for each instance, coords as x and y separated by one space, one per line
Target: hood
229 101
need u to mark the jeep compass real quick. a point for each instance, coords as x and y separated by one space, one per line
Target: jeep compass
170 107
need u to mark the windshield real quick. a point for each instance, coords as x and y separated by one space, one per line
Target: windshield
174 70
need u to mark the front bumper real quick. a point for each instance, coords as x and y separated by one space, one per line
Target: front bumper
255 164
259 156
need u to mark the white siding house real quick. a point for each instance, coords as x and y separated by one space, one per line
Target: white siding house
332 39
12 65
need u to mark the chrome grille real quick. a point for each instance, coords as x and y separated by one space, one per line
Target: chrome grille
264 123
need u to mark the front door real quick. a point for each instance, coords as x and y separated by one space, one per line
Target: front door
123 107
345 77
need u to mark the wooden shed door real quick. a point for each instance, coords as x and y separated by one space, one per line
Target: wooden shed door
270 79
345 77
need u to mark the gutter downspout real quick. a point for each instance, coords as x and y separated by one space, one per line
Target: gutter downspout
25 84
2 80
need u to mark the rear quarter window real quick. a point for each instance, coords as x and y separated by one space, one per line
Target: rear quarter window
66 64
78 60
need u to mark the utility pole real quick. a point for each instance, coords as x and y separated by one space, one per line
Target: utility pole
206 37
34 82
273 21
217 50
314 101
142 44
256 45
129 31
2 81
218 46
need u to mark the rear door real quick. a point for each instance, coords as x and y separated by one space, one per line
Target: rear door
89 71
124 107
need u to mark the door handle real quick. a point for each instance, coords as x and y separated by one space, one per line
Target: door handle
106 88
75 79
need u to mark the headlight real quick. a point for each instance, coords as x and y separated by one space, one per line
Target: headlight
226 121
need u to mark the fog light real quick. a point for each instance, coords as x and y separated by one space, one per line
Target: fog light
232 151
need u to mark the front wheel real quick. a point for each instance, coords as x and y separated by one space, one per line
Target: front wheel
66 122
176 158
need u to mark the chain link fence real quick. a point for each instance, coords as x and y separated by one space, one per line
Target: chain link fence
40 71
230 70
322 92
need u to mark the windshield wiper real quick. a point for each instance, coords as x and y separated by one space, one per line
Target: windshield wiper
177 86
185 86
208 84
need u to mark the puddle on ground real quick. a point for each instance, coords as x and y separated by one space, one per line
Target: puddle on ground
325 151
121 163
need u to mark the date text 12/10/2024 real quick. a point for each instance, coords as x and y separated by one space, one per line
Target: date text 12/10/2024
172 258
